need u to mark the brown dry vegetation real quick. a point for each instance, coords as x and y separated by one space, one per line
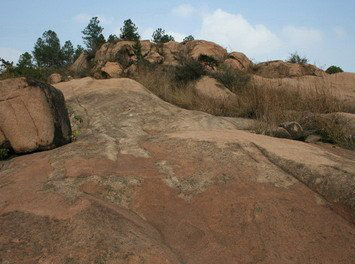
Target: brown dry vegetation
269 105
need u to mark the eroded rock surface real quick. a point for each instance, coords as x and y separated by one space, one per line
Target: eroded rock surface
147 182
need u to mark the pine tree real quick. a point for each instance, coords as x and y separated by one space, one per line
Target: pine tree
68 53
159 36
25 61
129 31
47 51
93 37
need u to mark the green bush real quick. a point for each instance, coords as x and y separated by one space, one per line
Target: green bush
189 70
295 58
233 80
334 69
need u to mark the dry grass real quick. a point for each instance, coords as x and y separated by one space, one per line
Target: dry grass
269 105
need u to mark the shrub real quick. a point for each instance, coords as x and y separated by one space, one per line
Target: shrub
230 78
295 58
334 69
189 70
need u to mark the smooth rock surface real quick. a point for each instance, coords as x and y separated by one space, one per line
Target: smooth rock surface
148 182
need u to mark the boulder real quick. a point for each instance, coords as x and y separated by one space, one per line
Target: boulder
281 69
313 138
279 132
33 115
55 78
81 65
293 128
154 57
112 69
196 48
238 61
211 88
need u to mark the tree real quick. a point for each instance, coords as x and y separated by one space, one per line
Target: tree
159 36
93 37
25 61
47 51
68 53
5 65
129 31
334 69
112 38
188 38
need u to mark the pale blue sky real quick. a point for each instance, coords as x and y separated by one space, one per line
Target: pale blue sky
321 30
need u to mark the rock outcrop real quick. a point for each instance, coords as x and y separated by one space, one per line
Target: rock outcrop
148 182
339 85
211 88
239 62
33 116
125 54
281 69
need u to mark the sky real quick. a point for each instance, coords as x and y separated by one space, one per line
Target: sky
321 30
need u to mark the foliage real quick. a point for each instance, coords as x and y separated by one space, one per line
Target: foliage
189 70
4 153
25 61
295 58
334 69
188 38
79 49
129 31
5 65
68 53
47 51
93 37
159 36
230 78
137 49
112 38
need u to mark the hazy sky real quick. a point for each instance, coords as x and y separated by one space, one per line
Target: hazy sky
321 30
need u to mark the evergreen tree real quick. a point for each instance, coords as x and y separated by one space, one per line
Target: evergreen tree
188 38
112 38
129 31
159 36
93 37
47 51
25 61
68 53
